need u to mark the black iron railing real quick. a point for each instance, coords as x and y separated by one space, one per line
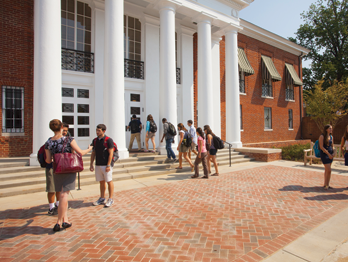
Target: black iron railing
75 60
230 150
289 94
133 69
241 86
178 76
267 90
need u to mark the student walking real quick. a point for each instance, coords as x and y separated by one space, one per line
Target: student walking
63 182
103 150
151 130
344 146
212 150
182 148
169 140
202 154
51 191
192 131
326 153
135 127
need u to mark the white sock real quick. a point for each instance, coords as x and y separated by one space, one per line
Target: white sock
51 205
57 203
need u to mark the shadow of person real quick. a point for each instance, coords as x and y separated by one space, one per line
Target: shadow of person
314 189
328 197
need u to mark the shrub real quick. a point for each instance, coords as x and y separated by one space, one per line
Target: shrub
294 152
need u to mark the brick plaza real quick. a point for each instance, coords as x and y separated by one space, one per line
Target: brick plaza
244 215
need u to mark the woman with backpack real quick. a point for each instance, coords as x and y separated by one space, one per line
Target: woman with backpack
151 129
63 182
344 144
326 153
212 150
202 154
183 148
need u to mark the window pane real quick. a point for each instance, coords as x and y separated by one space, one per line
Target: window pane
131 56
137 24
67 92
79 47
71 6
9 103
83 93
18 114
80 22
137 57
83 108
88 11
131 34
71 20
83 131
70 45
135 110
138 36
17 93
87 48
131 47
80 7
71 131
71 34
137 48
68 108
9 93
63 3
63 32
68 119
63 19
88 37
9 123
9 113
88 24
80 35
18 123
135 97
130 22
83 120
18 103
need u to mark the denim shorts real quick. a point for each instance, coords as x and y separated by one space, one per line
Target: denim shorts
346 159
212 152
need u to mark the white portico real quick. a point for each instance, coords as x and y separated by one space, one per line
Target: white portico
137 58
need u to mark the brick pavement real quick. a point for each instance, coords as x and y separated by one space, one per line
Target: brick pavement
239 216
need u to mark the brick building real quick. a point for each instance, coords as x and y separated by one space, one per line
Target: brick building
79 60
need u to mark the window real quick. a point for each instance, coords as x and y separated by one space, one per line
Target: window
132 38
12 109
290 119
268 118
241 118
241 82
267 90
76 20
289 92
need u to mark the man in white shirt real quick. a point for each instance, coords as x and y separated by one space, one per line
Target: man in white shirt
192 132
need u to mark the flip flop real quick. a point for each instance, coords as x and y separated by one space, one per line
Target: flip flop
215 174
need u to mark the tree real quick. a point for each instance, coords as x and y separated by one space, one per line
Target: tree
327 106
325 34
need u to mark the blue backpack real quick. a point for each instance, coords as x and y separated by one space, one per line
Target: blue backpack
316 148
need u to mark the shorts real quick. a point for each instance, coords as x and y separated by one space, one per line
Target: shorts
346 159
183 149
212 152
150 135
49 180
101 175
193 146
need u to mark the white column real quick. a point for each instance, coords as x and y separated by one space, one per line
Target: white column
232 89
152 71
114 110
187 73
167 94
205 76
215 51
47 71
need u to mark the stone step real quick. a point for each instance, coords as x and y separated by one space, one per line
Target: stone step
38 184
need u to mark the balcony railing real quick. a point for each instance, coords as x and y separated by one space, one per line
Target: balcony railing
178 76
289 94
75 60
267 90
241 86
133 69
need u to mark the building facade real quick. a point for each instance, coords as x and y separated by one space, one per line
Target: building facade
94 61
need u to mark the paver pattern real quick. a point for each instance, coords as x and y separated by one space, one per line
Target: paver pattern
240 216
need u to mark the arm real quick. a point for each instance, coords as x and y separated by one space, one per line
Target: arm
92 161
200 142
147 127
181 138
48 156
164 133
78 149
111 153
321 145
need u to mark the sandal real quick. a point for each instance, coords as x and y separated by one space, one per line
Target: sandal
194 176
178 168
215 174
205 177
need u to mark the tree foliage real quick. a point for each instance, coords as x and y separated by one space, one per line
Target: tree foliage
325 34
327 106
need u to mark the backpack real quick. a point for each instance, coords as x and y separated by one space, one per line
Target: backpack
188 140
171 129
218 143
115 156
153 127
316 149
134 126
41 157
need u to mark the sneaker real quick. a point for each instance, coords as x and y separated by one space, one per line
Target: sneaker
175 160
51 212
109 202
167 160
100 201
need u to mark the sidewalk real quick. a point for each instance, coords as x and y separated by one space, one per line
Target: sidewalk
273 211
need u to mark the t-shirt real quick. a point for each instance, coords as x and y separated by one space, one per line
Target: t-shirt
165 131
204 149
102 153
137 122
193 134
56 146
147 126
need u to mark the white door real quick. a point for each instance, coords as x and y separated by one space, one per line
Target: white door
134 106
76 110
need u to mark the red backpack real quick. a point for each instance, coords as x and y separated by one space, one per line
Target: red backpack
115 156
41 156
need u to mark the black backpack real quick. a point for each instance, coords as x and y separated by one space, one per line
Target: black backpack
134 126
218 143
171 129
188 140
153 127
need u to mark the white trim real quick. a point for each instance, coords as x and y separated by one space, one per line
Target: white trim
267 97
288 100
13 134
268 129
291 129
242 94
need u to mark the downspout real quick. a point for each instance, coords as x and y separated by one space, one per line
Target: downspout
301 89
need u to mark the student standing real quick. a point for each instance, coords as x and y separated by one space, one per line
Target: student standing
103 150
169 140
62 182
150 133
326 153
202 154
182 148
135 127
192 131
212 150
344 145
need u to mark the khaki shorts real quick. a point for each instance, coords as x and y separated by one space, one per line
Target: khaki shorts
183 149
101 175
50 188
150 135
193 146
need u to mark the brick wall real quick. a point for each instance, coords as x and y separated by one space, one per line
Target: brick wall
17 61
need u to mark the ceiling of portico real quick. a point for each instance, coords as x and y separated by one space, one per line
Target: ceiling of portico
138 2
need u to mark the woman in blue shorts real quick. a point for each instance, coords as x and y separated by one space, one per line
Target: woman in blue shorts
344 146
211 150
326 153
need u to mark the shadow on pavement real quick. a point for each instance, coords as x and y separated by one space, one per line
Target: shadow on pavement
318 189
321 168
328 197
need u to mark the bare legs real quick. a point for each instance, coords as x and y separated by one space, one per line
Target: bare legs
187 159
153 143
213 159
63 207
327 175
103 188
189 153
50 196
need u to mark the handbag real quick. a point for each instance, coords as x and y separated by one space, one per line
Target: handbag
64 163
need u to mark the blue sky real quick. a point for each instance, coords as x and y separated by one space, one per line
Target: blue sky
281 17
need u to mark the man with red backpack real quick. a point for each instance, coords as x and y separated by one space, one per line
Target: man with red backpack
105 154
